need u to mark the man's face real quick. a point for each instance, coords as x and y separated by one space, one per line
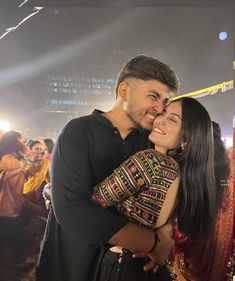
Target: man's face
144 101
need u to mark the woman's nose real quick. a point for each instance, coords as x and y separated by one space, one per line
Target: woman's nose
159 119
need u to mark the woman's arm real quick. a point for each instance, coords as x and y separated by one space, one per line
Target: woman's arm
144 188
129 178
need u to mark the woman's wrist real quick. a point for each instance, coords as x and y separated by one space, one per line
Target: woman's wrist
155 241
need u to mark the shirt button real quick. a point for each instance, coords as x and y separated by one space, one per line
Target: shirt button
123 142
116 132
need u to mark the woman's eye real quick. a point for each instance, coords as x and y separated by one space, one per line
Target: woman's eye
173 119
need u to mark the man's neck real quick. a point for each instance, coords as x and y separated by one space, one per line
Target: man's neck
119 120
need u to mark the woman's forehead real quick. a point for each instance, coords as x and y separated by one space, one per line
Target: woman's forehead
174 107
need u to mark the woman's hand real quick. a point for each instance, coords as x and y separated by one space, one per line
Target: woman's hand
162 250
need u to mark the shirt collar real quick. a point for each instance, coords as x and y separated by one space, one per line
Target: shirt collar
101 118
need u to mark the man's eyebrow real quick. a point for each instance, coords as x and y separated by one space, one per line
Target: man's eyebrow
165 101
155 93
158 94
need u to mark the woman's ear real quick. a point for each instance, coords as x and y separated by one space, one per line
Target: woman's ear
182 145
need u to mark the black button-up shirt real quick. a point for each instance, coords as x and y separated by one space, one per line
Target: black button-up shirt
87 151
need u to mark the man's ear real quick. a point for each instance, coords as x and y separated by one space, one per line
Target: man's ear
122 90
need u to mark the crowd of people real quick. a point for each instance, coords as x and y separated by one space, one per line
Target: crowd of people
142 192
24 167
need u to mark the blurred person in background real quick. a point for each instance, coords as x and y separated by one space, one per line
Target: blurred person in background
48 145
12 221
37 178
35 211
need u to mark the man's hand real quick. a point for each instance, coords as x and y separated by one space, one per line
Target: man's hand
162 250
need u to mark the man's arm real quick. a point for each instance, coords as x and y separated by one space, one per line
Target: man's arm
71 188
71 175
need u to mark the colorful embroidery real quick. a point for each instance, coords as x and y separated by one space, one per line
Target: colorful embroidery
138 187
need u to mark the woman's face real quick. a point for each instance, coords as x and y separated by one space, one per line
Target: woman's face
44 149
36 151
167 128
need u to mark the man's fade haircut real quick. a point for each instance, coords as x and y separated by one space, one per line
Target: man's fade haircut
148 68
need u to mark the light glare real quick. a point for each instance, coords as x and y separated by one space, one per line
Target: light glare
223 35
4 126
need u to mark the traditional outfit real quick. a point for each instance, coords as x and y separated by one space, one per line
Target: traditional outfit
33 185
37 178
138 188
211 260
208 261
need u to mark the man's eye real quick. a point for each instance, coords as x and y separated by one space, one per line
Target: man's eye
166 102
153 97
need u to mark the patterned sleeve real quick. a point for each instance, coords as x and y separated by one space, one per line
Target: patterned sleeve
129 178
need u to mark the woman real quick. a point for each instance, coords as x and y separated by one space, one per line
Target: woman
150 187
38 177
48 145
12 149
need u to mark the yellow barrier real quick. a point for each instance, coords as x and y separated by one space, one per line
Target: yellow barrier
223 87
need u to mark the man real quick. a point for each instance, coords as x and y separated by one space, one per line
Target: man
87 151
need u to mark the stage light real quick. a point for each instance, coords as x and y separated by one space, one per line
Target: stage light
228 141
223 35
4 126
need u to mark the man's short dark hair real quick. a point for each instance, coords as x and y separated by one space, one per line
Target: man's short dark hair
147 68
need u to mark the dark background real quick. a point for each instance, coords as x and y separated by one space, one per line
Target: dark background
94 39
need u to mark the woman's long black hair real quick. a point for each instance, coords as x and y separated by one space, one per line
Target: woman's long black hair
9 144
198 197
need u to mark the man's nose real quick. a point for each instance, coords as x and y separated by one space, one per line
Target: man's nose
159 106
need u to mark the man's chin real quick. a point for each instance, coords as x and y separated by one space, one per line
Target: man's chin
147 127
144 125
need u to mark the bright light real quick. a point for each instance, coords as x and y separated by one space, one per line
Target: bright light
223 35
4 126
228 141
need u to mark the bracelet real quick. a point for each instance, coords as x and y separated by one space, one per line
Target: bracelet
156 240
